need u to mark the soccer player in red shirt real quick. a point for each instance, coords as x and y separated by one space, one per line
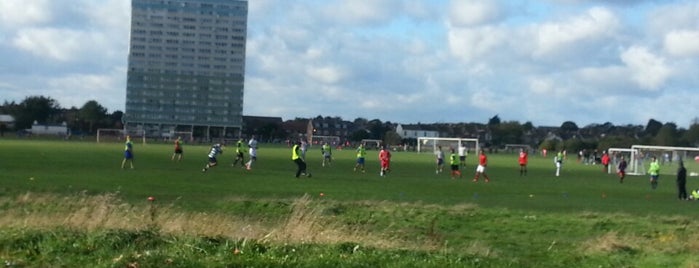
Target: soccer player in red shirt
523 160
178 149
385 159
482 163
605 162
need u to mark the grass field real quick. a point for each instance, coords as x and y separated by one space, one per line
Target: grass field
584 218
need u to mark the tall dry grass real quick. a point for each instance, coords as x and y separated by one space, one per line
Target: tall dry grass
305 224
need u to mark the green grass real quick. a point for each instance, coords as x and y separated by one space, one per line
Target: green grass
54 191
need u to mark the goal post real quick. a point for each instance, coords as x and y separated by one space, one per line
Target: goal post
430 144
371 143
109 135
615 155
319 140
668 156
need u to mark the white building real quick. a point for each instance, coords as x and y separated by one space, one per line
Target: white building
414 132
60 130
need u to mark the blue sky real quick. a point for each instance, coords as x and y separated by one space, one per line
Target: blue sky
404 61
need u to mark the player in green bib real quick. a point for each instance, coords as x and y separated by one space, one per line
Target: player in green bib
361 155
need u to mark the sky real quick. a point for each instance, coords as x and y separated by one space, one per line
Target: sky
403 61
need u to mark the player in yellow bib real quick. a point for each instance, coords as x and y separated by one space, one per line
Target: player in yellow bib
361 155
300 162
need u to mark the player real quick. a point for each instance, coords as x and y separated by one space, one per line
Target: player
439 154
621 169
482 163
298 159
385 160
239 154
454 162
523 161
682 181
128 153
605 161
558 160
361 154
327 153
216 149
178 150
654 171
462 155
252 150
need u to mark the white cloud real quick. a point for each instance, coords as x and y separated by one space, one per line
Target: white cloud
468 44
682 43
648 71
541 85
366 13
57 44
473 12
326 74
597 23
20 13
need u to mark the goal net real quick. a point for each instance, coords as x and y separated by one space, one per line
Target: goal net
187 136
616 155
515 148
110 135
371 144
667 156
430 144
320 140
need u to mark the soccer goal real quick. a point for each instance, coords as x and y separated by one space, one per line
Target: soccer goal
615 154
430 144
371 144
110 135
185 135
514 148
319 140
668 157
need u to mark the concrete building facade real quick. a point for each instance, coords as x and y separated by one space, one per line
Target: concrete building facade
186 67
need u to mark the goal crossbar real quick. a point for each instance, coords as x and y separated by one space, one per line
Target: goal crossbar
421 141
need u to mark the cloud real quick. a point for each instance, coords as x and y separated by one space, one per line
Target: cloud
648 71
465 13
19 13
596 24
326 74
56 44
470 44
682 43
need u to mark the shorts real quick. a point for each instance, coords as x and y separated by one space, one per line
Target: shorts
480 169
385 164
654 177
360 160
462 158
178 151
128 155
440 161
454 167
212 160
522 164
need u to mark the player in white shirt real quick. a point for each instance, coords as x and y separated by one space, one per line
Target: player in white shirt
252 144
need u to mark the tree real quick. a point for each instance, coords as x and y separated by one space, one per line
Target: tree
35 108
92 113
495 120
667 135
653 127
691 136
392 138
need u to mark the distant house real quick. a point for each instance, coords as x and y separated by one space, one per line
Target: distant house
60 130
7 120
415 131
266 128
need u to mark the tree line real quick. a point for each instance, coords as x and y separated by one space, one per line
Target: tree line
46 110
495 133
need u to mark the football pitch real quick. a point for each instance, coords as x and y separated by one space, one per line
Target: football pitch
69 167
